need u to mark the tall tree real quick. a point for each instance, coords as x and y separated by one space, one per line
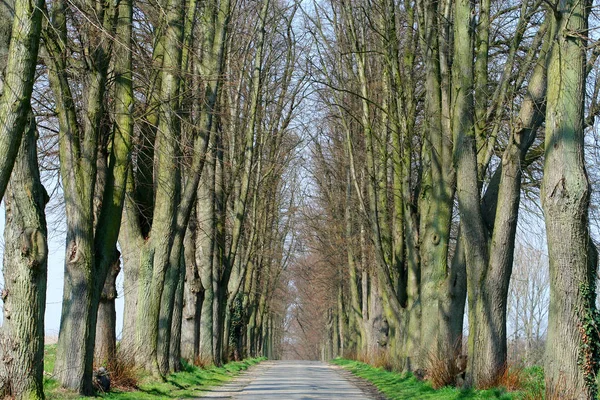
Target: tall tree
572 348
154 234
155 254
93 165
25 249
25 275
116 181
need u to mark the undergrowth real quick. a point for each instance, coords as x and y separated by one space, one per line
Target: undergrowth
396 386
189 383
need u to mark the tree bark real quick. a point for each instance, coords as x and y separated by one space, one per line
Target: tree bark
105 350
204 259
192 297
176 327
473 228
355 315
154 270
572 337
25 274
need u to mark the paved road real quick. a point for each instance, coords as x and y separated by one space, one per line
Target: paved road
293 380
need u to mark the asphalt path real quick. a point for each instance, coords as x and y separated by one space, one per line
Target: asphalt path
294 380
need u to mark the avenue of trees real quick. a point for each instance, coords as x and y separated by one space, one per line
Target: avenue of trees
169 124
351 171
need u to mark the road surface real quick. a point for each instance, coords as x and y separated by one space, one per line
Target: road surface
294 380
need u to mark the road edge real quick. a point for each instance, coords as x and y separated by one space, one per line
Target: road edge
237 384
364 385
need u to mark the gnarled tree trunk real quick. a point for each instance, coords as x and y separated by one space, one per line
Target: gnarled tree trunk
25 273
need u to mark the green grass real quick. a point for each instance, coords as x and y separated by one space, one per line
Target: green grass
189 383
185 384
406 386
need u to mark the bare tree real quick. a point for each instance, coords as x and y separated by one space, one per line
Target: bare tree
528 305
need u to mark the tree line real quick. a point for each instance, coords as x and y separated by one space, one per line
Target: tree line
438 121
171 128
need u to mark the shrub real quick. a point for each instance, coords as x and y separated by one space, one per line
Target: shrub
379 359
442 372
203 362
123 373
511 377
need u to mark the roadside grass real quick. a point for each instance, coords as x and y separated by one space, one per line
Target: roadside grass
189 383
396 386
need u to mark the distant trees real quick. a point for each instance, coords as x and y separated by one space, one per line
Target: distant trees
528 298
203 235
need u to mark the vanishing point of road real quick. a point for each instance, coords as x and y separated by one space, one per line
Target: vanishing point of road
294 380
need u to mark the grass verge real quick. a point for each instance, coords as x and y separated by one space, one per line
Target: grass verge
397 386
189 383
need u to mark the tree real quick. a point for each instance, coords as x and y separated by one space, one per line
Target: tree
93 161
26 250
25 274
572 328
488 230
166 219
415 151
116 176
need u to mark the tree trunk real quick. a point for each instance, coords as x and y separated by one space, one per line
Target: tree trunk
356 332
436 196
7 16
454 307
74 359
505 215
190 328
572 347
154 273
206 352
113 201
25 273
176 331
130 246
106 340
474 233
146 327
91 231
167 307
251 310
204 259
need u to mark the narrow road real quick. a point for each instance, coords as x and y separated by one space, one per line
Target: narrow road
291 380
